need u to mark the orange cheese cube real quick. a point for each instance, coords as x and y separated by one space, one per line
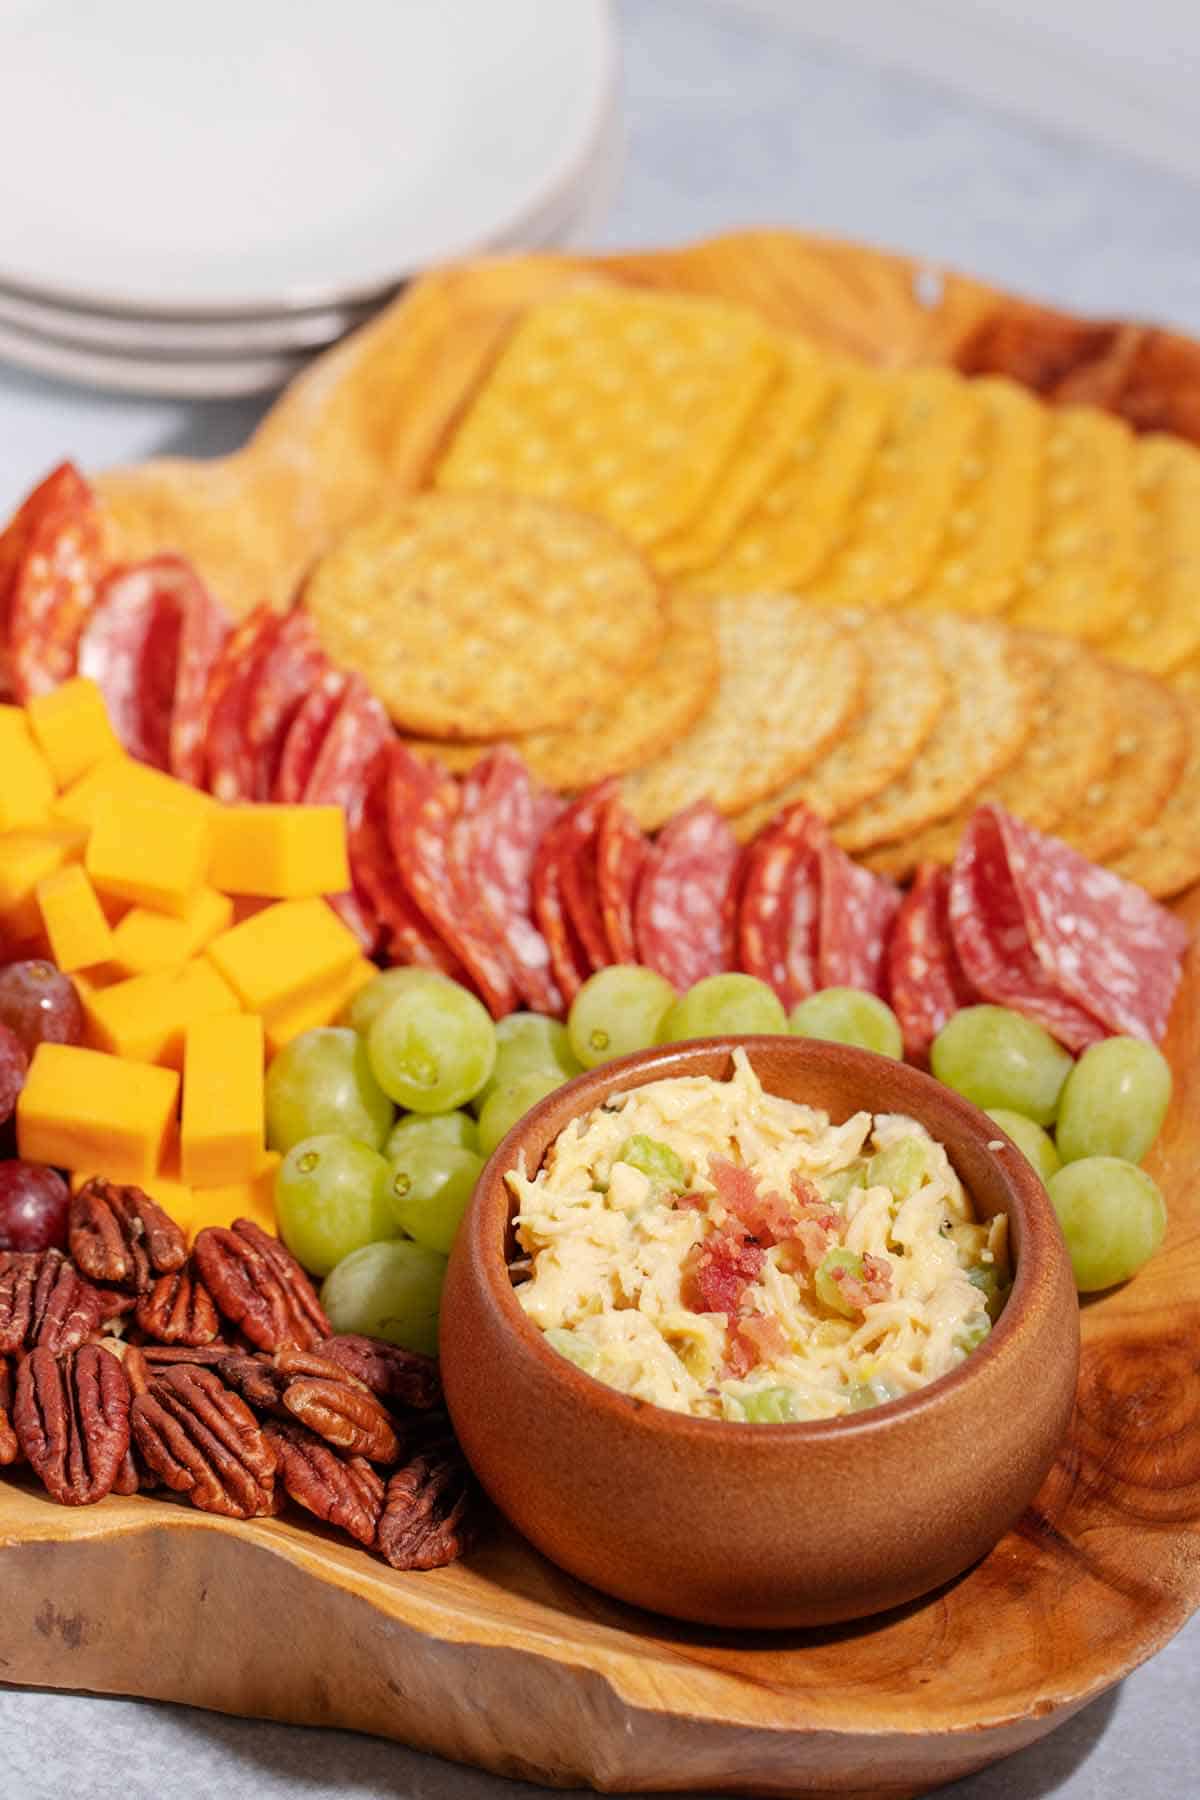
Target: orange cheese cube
26 784
146 941
27 857
72 729
285 852
222 1134
253 1198
145 1018
284 952
322 1006
121 776
76 928
148 853
165 1190
80 1109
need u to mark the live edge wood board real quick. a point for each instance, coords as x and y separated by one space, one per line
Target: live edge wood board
501 1661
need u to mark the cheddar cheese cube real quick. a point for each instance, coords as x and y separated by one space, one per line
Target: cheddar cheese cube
222 1134
285 852
72 729
322 1006
76 929
26 784
80 1109
284 952
145 1018
148 853
253 1198
122 777
146 941
27 857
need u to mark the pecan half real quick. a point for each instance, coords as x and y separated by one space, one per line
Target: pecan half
45 1302
397 1377
119 1235
131 1359
325 1397
72 1420
203 1441
429 1510
255 1377
128 1477
204 1356
178 1309
9 1448
258 1284
344 1491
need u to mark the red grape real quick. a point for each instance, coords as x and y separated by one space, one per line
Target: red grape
40 1005
33 1207
14 1066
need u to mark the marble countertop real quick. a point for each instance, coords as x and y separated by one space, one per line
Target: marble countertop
730 120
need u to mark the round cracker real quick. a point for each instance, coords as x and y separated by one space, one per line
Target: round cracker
792 681
983 724
1165 858
486 616
905 692
1151 748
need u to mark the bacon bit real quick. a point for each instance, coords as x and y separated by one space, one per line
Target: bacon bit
691 1202
805 1191
809 1241
876 1283
767 1217
765 1336
718 1272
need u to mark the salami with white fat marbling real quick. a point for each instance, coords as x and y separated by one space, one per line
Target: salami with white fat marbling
685 906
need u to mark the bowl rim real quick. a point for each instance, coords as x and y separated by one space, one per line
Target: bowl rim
1039 1232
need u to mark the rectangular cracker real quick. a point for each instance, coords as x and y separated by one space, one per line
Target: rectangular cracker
1163 630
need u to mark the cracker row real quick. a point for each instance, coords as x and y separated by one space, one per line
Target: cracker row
1163 630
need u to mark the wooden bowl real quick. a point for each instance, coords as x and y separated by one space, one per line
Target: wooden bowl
765 1525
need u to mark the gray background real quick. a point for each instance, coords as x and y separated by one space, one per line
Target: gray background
733 117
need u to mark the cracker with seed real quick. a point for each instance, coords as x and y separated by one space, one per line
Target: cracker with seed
905 692
792 682
1163 630
659 704
789 534
989 533
985 720
1165 857
1151 748
898 523
622 404
1070 746
1082 576
485 616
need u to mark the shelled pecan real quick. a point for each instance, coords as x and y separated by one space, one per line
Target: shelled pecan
71 1414
45 1302
395 1376
258 1284
327 1398
343 1490
203 1441
119 1235
9 1448
204 1356
429 1511
178 1309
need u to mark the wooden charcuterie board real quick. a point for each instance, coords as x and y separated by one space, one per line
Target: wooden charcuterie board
501 1660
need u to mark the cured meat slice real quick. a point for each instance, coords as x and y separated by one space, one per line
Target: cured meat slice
130 647
987 919
203 632
684 911
856 913
62 488
620 853
58 564
357 737
1102 941
577 830
778 911
569 959
306 734
423 803
285 677
504 816
926 981
408 936
232 770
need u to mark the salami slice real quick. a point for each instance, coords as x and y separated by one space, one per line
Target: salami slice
1102 941
992 939
685 907
306 734
284 678
409 937
62 489
203 632
358 731
620 853
926 981
504 816
568 959
577 829
232 770
856 914
778 910
423 804
54 585
130 647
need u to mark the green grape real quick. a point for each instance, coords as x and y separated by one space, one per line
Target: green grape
432 1047
331 1197
432 1128
1114 1102
322 1081
723 1006
572 1347
509 1103
658 1161
430 1189
843 1015
1112 1216
378 995
902 1167
526 1042
617 1011
828 1289
769 1406
996 1057
1035 1145
388 1290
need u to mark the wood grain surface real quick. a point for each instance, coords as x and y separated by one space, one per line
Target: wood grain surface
502 1661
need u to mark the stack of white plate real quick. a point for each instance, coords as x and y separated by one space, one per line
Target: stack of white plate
193 200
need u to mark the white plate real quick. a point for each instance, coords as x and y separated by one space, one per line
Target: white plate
185 378
236 158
